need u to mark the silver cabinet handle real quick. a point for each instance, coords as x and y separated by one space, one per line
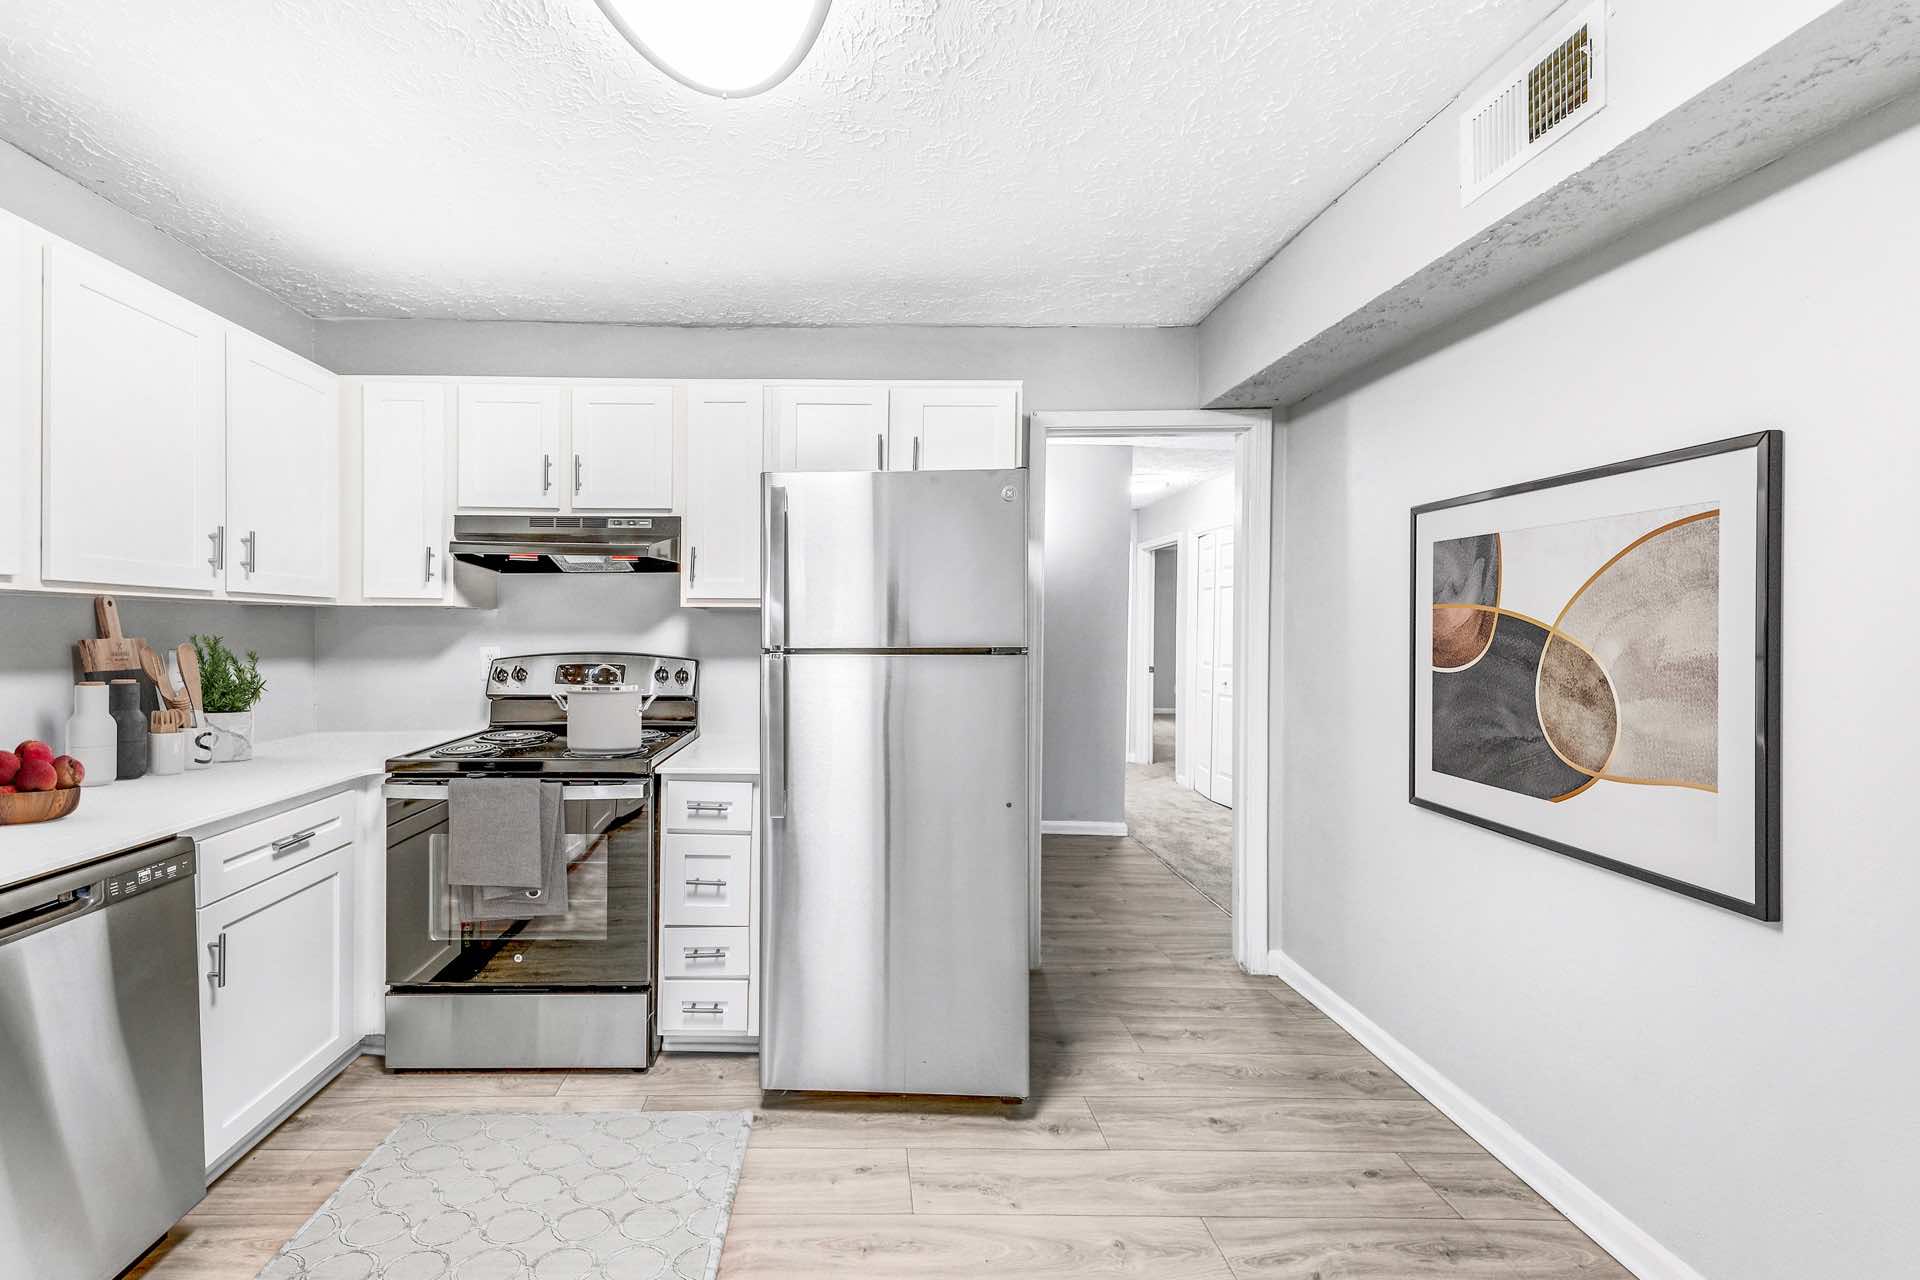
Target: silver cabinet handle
429 577
217 559
705 953
291 843
880 452
693 568
217 957
709 806
546 473
916 453
576 473
251 556
697 883
703 1006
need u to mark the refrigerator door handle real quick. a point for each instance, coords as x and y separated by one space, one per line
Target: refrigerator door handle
776 584
776 755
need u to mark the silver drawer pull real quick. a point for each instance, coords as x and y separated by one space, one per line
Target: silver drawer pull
697 883
703 1006
705 953
290 843
709 806
217 956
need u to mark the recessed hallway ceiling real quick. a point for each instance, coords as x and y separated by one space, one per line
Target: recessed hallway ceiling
934 161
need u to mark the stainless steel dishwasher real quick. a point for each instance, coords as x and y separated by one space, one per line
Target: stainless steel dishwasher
101 1146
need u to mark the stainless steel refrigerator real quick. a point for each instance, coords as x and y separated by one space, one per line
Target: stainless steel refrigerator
894 759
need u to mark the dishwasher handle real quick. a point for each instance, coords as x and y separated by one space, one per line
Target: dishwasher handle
94 886
17 924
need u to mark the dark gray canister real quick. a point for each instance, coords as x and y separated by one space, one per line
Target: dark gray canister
130 724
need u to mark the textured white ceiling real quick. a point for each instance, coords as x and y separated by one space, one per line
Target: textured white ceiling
934 161
1160 471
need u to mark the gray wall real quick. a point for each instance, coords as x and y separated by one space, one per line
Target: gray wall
1064 368
1089 540
1741 1091
37 635
58 204
1166 626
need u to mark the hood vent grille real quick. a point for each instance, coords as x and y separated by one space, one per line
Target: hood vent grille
568 544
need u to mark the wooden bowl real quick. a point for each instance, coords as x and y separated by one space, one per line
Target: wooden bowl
38 806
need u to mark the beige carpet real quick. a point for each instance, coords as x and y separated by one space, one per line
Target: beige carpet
1181 827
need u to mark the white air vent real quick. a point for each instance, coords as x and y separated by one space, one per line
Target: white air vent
1541 101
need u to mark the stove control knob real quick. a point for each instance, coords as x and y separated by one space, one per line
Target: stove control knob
681 676
499 675
662 676
519 675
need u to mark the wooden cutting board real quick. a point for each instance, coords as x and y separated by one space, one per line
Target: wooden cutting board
115 656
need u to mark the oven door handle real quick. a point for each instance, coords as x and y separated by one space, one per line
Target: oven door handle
569 790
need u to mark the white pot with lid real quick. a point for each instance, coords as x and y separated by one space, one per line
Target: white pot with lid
605 719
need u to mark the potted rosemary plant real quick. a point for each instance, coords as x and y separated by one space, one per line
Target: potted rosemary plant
229 689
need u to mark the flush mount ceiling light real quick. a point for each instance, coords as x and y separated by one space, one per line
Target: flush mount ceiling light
728 48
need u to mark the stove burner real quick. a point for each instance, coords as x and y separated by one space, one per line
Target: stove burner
467 750
517 737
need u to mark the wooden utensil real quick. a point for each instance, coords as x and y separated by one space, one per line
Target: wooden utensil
189 661
156 669
114 649
169 721
38 806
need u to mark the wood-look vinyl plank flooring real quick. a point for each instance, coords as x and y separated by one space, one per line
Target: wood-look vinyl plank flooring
1188 1122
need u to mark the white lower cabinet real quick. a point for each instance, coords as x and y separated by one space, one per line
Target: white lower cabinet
276 993
709 915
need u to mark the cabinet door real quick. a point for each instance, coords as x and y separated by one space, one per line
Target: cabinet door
829 428
725 443
277 993
510 447
135 432
622 448
403 464
953 428
283 472
16 463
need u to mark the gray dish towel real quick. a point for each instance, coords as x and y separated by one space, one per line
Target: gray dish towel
550 898
496 832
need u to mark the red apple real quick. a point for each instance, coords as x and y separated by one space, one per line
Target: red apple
34 775
9 765
6 791
68 772
33 749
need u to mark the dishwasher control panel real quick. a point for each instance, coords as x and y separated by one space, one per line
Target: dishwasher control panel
151 876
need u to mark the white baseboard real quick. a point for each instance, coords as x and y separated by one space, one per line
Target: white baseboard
1054 827
1611 1229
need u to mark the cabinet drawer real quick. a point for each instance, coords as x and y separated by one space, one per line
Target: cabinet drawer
709 806
697 1006
703 879
243 857
703 953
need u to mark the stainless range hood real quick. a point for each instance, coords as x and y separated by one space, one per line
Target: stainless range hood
568 544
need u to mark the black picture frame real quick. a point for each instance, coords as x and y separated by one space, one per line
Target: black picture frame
1769 510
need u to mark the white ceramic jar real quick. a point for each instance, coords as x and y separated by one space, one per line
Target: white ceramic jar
92 734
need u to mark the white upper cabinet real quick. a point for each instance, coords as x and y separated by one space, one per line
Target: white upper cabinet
283 472
957 428
829 428
510 446
403 454
725 445
622 448
18 468
135 432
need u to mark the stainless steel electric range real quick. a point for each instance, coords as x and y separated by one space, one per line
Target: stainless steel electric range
468 989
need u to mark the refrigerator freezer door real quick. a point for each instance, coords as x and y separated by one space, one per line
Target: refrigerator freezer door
896 560
896 854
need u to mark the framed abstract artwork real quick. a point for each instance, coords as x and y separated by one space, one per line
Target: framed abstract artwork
1596 667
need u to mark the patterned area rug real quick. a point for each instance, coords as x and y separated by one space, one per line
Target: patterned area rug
620 1195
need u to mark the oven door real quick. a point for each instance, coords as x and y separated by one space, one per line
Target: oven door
442 937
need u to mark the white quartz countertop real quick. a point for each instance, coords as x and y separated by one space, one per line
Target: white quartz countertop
715 757
125 815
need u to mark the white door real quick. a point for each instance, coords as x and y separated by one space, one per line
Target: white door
135 432
1194 715
283 472
403 528
829 428
509 442
16 463
725 445
953 428
622 448
1220 757
276 994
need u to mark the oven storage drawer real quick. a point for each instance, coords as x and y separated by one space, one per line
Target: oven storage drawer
703 953
697 1006
709 806
243 857
704 879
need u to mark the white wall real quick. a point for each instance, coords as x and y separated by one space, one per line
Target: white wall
1207 505
1741 1091
1089 565
59 204
37 635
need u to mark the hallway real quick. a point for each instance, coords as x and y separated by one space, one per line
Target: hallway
1181 827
